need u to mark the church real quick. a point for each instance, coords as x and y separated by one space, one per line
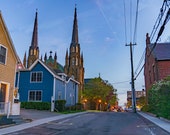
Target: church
52 80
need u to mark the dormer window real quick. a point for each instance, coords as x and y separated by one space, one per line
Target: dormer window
3 52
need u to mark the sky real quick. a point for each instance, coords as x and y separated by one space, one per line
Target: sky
101 27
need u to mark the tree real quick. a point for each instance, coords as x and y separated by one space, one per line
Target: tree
99 92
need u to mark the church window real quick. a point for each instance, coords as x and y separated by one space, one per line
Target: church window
35 51
31 52
73 61
76 49
73 49
3 52
36 76
76 61
35 95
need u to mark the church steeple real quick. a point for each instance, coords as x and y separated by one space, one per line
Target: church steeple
74 60
34 49
34 43
25 60
75 29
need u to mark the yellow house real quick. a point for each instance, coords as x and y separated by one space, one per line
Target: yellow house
8 65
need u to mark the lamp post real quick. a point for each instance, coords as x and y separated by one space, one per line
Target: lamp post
100 104
85 101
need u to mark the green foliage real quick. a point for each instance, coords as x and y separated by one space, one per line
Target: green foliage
60 105
97 89
159 98
36 105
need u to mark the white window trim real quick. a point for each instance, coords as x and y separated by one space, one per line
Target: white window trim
35 100
6 54
36 81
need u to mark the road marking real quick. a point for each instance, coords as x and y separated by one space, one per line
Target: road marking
61 122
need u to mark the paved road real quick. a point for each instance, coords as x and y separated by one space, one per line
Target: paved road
101 123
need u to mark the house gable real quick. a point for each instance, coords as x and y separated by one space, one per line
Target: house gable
45 85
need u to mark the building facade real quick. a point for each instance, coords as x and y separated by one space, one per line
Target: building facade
41 83
8 65
74 65
157 62
138 95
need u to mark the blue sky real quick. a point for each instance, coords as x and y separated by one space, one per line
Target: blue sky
101 33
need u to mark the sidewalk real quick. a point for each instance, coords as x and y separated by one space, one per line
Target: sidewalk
164 124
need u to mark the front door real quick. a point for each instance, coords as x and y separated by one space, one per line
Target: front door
2 92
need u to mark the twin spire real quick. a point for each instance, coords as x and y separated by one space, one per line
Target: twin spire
34 43
34 49
75 29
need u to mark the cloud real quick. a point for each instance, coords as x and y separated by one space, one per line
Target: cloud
109 39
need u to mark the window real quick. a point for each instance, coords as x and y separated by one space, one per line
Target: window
36 76
73 61
35 95
2 54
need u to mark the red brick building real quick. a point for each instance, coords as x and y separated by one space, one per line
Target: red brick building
157 62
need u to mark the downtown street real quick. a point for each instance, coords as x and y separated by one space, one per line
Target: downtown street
97 123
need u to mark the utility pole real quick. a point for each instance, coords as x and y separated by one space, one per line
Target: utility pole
132 79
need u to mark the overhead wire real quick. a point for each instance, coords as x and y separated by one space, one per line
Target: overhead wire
136 22
130 20
167 18
125 21
158 20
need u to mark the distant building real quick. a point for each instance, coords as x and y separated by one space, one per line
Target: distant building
138 95
157 62
8 67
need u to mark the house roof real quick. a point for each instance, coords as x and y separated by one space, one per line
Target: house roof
161 51
54 72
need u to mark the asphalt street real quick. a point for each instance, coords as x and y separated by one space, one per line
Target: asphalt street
97 123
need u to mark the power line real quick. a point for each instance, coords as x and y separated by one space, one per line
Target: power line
125 21
130 20
136 22
140 62
159 19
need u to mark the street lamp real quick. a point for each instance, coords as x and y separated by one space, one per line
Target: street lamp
85 101
100 104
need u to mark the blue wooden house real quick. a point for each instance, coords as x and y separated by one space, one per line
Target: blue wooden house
41 83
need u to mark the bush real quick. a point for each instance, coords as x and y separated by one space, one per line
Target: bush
36 105
145 108
158 99
79 106
60 105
